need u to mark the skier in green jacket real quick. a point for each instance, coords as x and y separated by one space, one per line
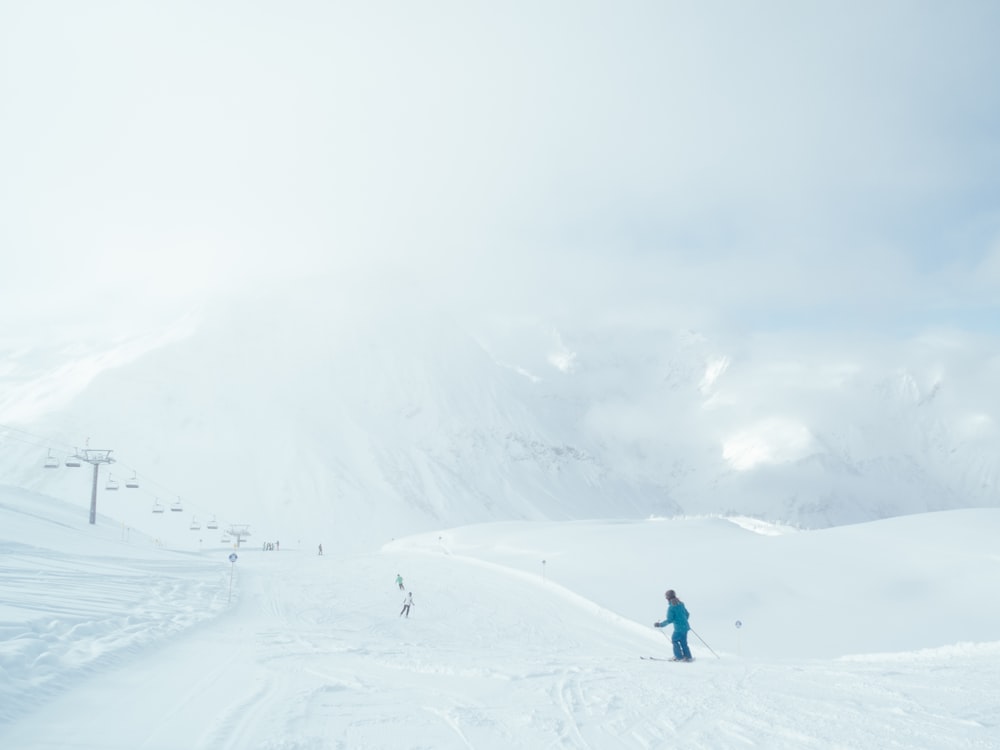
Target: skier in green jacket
677 615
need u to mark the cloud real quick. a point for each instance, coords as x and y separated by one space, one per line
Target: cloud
711 164
773 440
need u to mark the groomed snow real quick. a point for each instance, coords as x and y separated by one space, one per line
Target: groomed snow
880 635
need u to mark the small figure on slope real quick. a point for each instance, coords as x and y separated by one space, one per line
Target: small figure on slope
677 615
399 581
407 603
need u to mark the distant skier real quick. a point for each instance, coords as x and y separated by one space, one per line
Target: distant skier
677 615
321 549
399 581
407 603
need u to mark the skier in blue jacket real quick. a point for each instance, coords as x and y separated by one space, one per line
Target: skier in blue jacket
677 615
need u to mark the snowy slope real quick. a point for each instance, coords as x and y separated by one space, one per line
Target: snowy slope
836 649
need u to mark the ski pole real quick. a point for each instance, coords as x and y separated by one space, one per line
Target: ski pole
663 632
706 645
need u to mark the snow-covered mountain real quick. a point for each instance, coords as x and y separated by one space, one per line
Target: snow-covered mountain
362 421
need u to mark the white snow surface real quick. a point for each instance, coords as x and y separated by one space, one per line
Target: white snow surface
523 635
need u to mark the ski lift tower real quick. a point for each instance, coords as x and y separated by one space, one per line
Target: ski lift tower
239 531
95 457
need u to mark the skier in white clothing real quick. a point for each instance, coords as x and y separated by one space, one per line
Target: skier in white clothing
407 603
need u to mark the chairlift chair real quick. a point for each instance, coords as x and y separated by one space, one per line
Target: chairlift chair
132 483
212 524
157 507
195 526
176 507
51 462
73 462
112 484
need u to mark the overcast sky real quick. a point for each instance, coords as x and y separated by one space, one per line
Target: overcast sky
758 166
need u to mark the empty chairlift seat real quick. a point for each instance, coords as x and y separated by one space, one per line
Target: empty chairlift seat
176 507
132 483
157 507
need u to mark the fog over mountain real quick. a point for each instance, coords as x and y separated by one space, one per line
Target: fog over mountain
354 422
358 270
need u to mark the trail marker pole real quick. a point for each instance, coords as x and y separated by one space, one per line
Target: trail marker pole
232 567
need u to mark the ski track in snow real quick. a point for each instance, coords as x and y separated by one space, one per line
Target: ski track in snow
311 654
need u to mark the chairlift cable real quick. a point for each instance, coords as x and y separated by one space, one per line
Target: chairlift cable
26 437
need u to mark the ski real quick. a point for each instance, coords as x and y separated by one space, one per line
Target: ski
660 658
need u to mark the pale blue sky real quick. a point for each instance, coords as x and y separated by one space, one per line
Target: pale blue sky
719 164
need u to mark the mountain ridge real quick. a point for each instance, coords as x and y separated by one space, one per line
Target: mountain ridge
400 424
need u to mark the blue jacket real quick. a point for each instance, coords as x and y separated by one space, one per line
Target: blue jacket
677 614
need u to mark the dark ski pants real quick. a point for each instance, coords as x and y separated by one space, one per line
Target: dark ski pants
406 610
680 644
